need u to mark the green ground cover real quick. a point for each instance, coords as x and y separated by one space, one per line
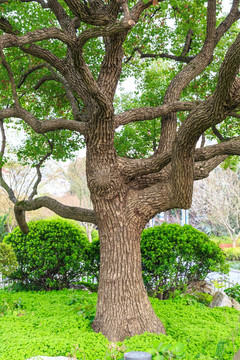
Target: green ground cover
58 323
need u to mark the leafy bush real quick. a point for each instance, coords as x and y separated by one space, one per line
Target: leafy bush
164 351
50 256
232 254
234 292
92 259
8 261
3 230
173 256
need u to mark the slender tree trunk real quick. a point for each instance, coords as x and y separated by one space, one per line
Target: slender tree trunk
123 307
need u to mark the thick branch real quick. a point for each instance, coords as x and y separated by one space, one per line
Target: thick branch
151 112
69 212
64 20
180 58
203 169
95 14
9 40
41 127
132 168
110 30
11 77
7 27
226 148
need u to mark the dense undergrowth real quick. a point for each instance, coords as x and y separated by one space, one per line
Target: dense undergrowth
58 323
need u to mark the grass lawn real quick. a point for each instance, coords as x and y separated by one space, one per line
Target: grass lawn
57 323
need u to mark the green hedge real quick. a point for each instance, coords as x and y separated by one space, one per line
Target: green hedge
50 256
8 260
174 255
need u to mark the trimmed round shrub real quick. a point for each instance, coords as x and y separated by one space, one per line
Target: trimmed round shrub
174 255
50 256
8 260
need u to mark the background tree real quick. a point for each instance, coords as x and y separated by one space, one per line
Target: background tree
75 177
216 202
61 64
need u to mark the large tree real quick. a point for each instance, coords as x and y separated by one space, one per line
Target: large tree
61 63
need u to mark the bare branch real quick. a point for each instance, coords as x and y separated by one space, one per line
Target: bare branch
44 79
138 9
217 133
187 44
180 58
30 71
11 77
3 183
64 20
38 169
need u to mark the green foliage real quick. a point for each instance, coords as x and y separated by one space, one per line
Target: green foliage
234 292
173 256
57 323
92 259
232 254
3 231
190 299
163 351
220 239
8 261
50 256
84 304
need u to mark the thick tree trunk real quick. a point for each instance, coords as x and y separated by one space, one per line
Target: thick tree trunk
123 307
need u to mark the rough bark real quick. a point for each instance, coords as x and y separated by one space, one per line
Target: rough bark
123 306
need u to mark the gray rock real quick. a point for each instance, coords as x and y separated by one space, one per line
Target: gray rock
235 304
220 299
201 286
